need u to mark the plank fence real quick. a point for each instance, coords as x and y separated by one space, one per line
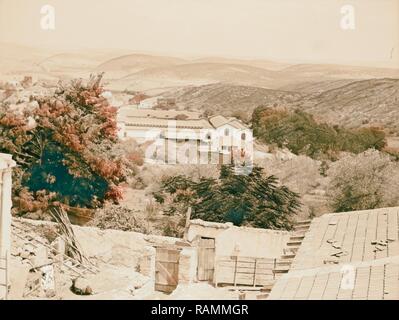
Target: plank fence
244 271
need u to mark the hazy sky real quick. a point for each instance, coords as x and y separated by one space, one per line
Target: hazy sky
287 30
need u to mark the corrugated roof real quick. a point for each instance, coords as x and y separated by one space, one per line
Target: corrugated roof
353 255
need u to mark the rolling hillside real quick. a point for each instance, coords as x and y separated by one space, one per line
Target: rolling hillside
348 95
228 99
122 66
359 103
366 102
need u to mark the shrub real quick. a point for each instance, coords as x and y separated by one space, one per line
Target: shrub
366 181
118 217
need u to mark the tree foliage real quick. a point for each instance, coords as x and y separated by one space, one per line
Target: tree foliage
64 148
254 200
302 134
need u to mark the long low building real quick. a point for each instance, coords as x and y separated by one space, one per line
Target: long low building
213 135
352 255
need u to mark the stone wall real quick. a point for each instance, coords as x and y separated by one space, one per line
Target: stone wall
188 265
115 247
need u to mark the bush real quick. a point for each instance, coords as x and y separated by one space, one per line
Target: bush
369 180
118 217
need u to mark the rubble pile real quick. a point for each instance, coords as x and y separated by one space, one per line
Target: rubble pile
41 269
42 264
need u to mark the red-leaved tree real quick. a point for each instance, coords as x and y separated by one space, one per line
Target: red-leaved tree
65 149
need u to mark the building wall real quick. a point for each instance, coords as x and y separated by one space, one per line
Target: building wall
241 241
6 165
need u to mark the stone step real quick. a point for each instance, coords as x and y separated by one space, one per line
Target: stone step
297 237
291 250
286 262
294 243
302 228
281 269
303 222
278 275
267 288
288 256
262 296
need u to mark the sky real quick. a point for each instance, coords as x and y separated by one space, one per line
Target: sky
282 30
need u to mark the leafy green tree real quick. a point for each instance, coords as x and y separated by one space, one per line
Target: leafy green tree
253 200
302 134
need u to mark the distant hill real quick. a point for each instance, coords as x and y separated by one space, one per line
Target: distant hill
229 99
366 102
124 65
210 72
359 103
349 95
315 71
265 64
314 87
143 71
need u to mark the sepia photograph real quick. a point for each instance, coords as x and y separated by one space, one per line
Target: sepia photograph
199 150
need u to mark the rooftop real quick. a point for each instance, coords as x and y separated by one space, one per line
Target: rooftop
352 255
183 119
130 112
219 121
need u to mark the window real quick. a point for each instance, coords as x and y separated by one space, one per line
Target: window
226 131
243 136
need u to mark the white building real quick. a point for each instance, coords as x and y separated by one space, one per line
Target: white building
148 103
216 136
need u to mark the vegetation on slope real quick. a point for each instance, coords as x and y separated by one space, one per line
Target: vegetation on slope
369 180
302 134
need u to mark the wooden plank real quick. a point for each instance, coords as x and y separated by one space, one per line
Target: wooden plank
166 269
248 281
246 271
246 259
206 259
